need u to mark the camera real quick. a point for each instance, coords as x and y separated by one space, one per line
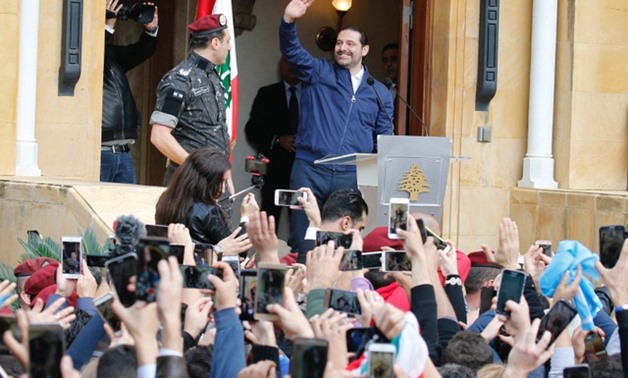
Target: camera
138 12
257 165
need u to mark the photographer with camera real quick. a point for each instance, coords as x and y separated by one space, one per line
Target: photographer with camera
120 117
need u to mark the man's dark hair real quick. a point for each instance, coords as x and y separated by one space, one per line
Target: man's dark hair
200 42
610 367
467 349
364 39
344 202
378 279
456 371
199 361
390 46
118 362
477 276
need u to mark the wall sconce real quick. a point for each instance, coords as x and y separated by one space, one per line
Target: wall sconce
326 35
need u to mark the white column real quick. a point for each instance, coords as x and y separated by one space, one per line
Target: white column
27 148
538 165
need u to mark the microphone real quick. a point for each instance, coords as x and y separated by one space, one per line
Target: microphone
416 115
370 81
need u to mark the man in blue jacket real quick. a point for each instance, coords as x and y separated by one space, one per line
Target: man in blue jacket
342 110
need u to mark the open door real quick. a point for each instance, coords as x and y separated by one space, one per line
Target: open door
415 57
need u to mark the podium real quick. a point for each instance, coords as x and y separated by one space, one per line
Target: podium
405 166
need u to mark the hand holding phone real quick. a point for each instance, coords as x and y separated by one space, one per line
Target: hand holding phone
285 197
556 320
197 276
149 252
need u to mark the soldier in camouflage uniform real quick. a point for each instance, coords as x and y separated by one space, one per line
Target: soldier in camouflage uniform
190 109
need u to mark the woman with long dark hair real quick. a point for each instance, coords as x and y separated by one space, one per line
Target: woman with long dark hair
192 199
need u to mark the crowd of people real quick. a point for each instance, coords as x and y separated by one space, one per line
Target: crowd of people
427 321
439 312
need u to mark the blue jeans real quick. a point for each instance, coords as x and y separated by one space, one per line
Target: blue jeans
117 167
323 181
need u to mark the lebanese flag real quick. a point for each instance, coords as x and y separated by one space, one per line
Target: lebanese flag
228 72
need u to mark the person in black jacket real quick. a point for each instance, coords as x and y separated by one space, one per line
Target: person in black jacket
271 129
120 117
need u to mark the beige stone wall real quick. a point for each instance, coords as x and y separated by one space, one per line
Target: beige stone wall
479 187
591 119
591 142
9 31
566 215
67 128
61 207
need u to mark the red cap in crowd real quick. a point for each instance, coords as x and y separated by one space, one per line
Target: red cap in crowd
41 279
29 267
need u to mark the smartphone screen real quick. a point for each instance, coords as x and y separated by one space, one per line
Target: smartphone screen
149 253
357 338
340 239
381 360
203 254
578 371
309 358
397 216
121 269
556 320
351 260
438 241
71 256
103 305
546 246
248 288
46 345
396 261
611 242
372 260
197 276
177 250
97 261
284 197
594 349
233 262
270 284
511 288
343 301
158 230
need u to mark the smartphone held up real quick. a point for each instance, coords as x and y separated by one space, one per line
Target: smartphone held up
398 211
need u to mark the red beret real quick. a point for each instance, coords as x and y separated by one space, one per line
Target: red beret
28 267
47 292
378 238
478 259
40 280
208 24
